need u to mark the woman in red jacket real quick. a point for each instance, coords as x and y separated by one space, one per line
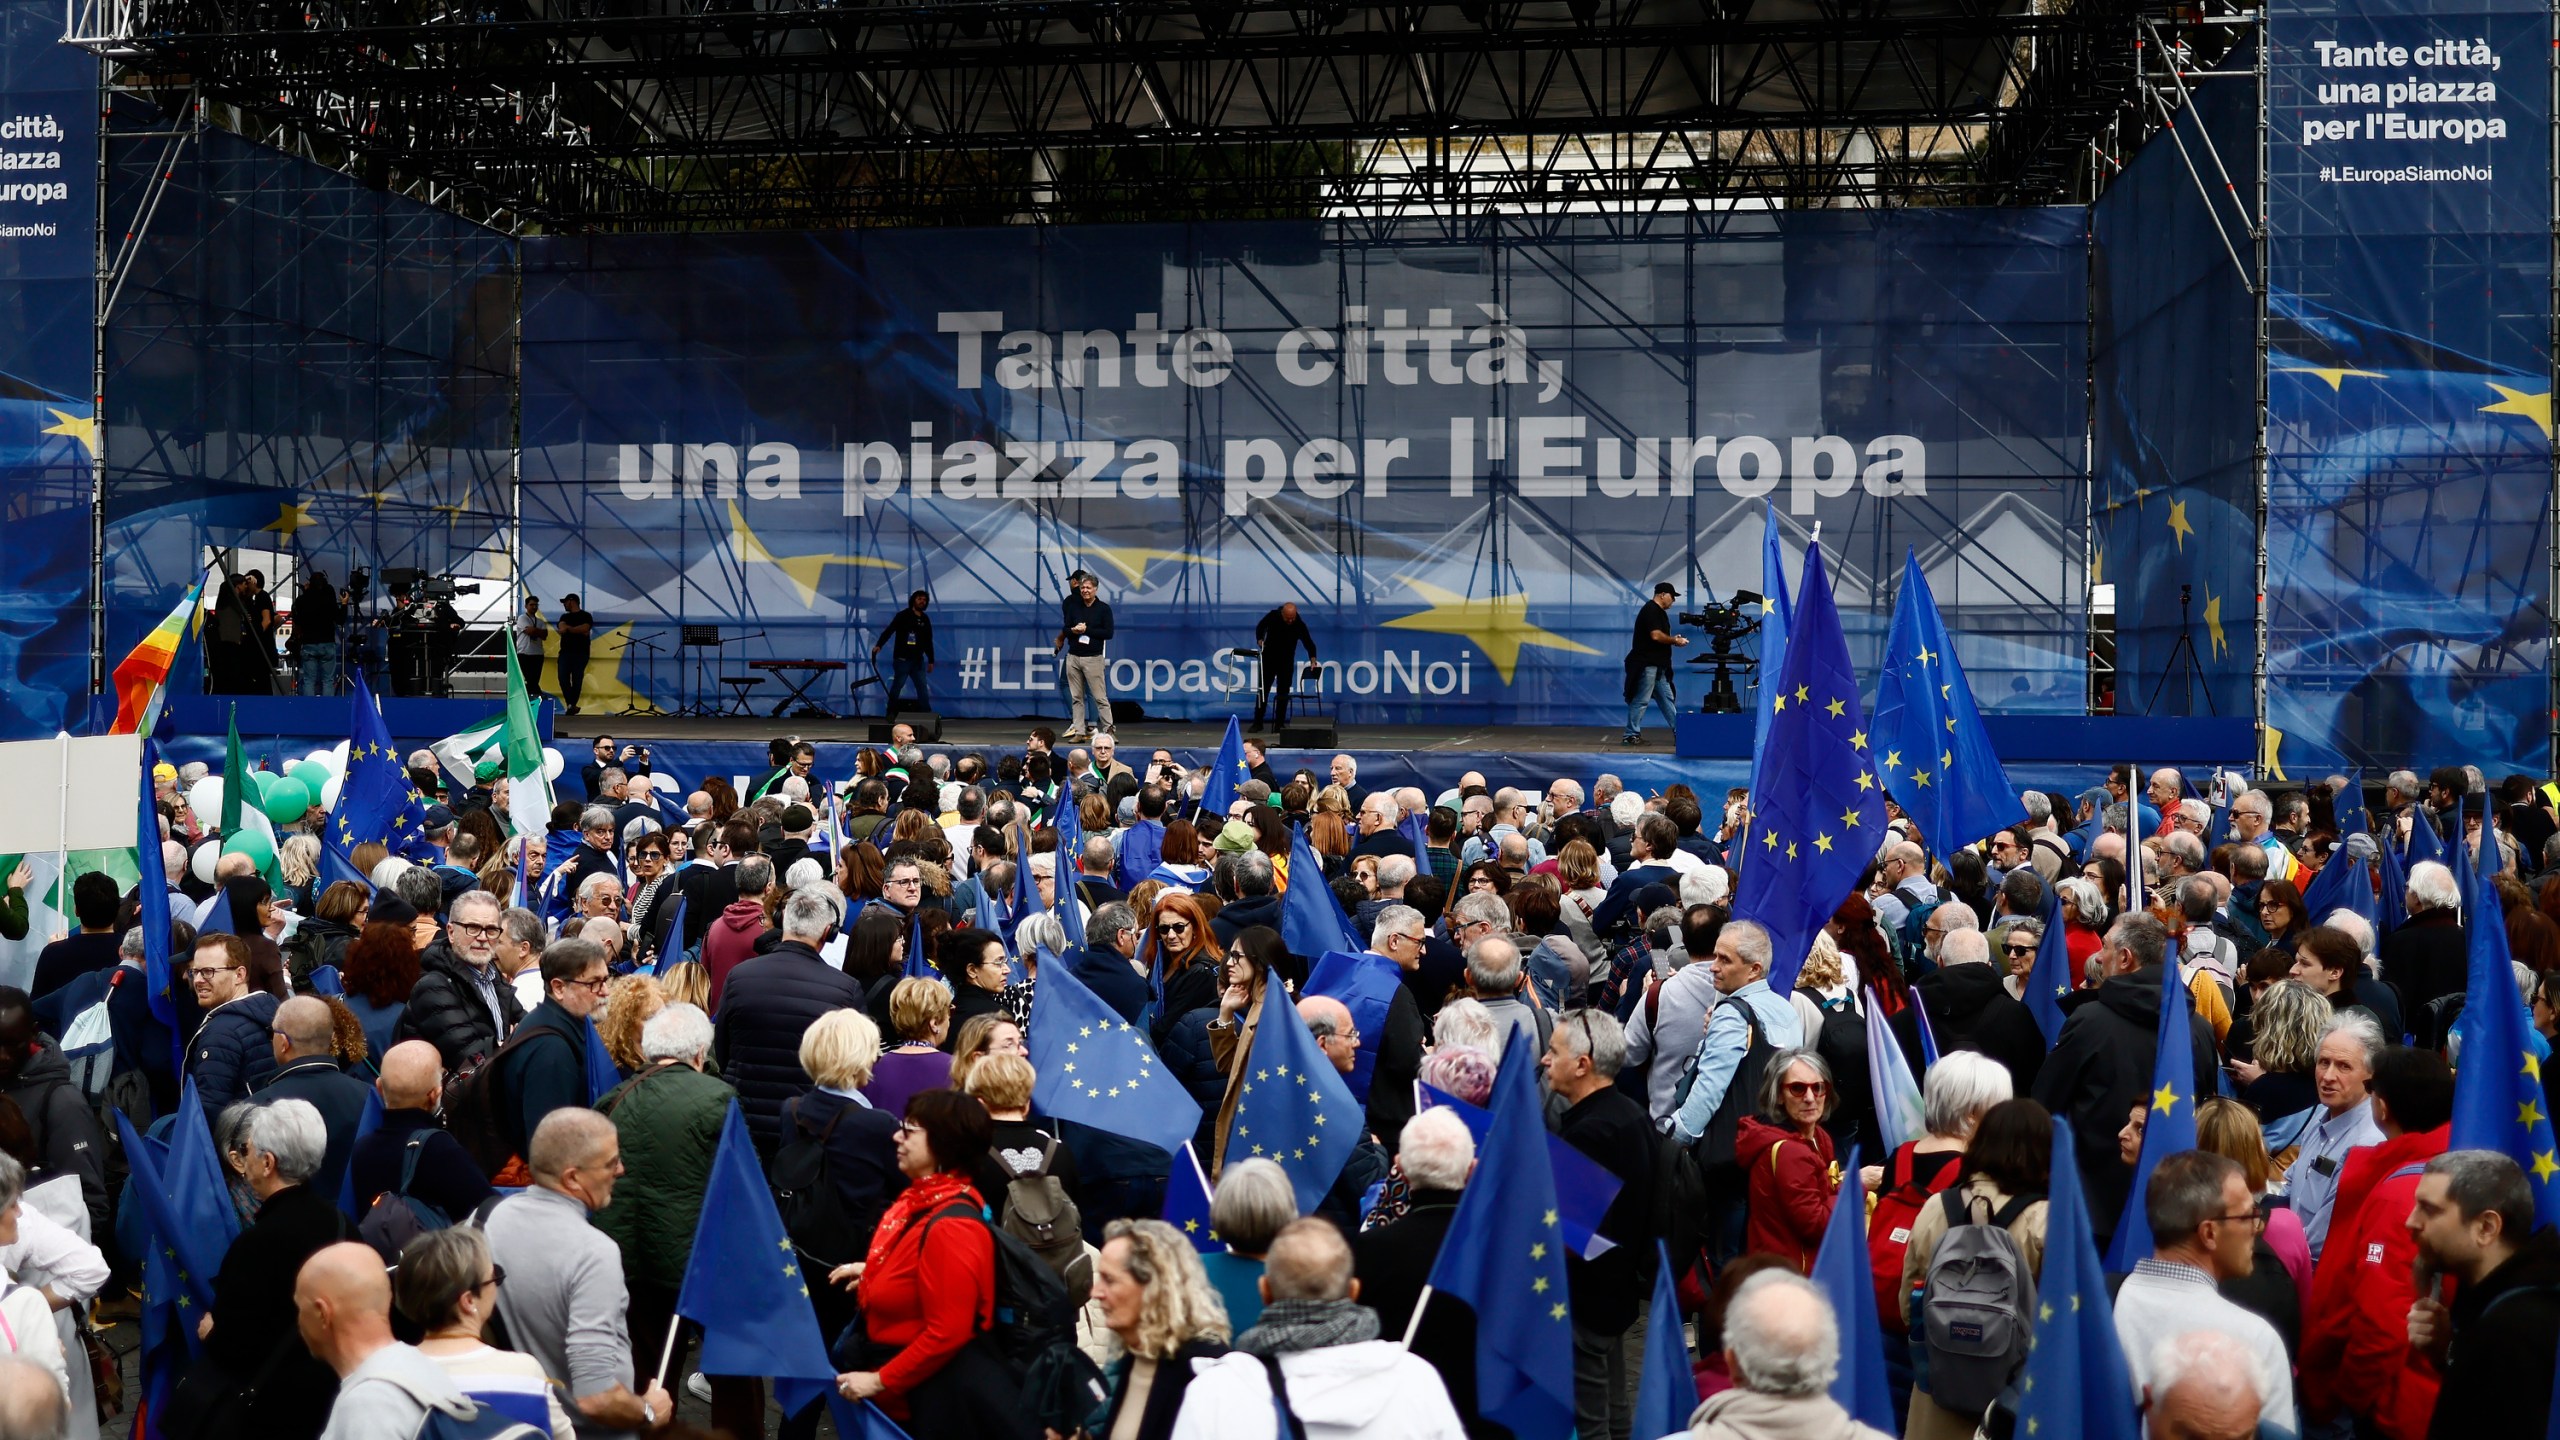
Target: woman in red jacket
928 1286
1788 1156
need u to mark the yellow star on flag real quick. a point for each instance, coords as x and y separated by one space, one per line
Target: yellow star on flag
83 428
2535 408
1822 843
2336 375
1779 705
1866 779
2528 1114
1920 778
1835 709
2544 1167
1132 560
1858 740
2178 525
1849 818
1892 760
805 571
2165 1099
289 518
2213 624
1498 624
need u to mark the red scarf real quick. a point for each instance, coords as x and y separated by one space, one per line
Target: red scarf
920 1199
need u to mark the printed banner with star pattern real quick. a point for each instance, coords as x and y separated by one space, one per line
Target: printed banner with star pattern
2408 387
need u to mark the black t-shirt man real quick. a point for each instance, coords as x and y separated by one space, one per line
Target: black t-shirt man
1651 644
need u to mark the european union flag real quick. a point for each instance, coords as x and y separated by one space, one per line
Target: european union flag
2497 1088
2075 1384
1226 773
743 1285
919 962
1311 920
1585 1188
602 1073
2394 903
1504 1255
1777 617
1821 815
1417 833
1186 1202
216 919
1937 759
672 952
1840 1268
1668 1389
2424 842
2343 884
1294 1108
152 889
2348 806
376 800
188 1207
2169 1126
866 1421
1026 890
2051 979
1070 825
1095 1069
350 1203
1366 984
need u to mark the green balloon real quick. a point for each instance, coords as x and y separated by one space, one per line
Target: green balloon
286 800
253 844
313 775
259 780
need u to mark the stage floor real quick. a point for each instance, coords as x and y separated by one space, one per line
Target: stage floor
1139 736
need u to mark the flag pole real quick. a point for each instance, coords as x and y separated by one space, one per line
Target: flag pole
62 823
666 1356
1420 1302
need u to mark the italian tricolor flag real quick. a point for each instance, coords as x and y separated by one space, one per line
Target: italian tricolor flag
510 740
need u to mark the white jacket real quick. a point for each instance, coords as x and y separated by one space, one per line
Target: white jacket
1374 1390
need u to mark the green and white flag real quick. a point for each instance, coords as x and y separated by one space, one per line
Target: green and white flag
464 752
508 745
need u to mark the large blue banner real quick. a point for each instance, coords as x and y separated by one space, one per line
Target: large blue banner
1468 463
48 430
2409 391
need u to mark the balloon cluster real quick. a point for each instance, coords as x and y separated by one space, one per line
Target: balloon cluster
274 801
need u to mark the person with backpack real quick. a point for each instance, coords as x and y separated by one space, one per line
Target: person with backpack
541 1068
1997 1203
446 1285
1962 1088
669 1117
1042 1205
925 1351
1720 1082
1786 1153
409 1155
386 1390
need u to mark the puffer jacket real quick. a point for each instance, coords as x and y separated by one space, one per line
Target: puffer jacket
232 1054
446 1010
768 1004
63 1127
669 1117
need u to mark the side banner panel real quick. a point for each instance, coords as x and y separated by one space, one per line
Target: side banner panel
48 430
2409 393
1467 463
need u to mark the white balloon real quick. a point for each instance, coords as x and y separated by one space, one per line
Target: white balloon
202 861
552 764
327 759
329 792
205 798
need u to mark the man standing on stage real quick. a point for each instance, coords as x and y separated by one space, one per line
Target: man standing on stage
576 627
1649 661
1281 634
530 631
1085 637
912 658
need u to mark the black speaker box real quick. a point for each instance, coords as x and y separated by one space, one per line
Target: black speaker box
1315 733
928 725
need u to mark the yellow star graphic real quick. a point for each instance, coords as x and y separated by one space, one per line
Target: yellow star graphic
1131 560
2178 525
1555 1312
1822 843
1849 818
1768 606
83 428
2535 408
1920 778
1549 1218
2213 624
1779 705
1769 838
1498 624
2544 1167
1538 1251
2532 1066
1858 741
1866 779
1892 760
2528 1114
1539 1285
1791 849
1927 654
2097 567
1836 709
806 571
2336 375
1803 693
289 518
2165 1099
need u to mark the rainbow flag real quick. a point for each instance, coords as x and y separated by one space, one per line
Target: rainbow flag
142 678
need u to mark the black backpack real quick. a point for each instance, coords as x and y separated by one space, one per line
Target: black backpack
1713 1152
395 1217
1033 1312
813 1211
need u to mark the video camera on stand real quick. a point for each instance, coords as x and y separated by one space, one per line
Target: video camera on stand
1724 623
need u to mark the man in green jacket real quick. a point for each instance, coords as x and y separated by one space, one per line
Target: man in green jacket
669 1117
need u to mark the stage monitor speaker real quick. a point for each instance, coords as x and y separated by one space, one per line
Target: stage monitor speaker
927 723
1314 733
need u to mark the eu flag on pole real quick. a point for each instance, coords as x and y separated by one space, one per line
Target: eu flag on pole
2075 1383
376 800
1584 1187
216 919
1668 1389
672 952
1070 826
1417 833
1311 920
1899 1108
1819 814
1366 984
1095 1069
1504 1255
1186 1202
602 1073
1937 758
918 964
743 1283
2169 1126
1777 618
1840 1267
2343 884
2394 902
1226 773
2051 979
188 1205
152 889
350 1204
1294 1108
2424 842
2497 1088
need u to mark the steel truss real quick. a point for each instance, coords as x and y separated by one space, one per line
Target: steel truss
568 115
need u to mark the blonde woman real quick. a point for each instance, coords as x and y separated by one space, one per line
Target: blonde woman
920 1011
839 1052
1157 1302
628 1004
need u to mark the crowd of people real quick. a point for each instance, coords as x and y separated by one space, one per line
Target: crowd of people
441 1201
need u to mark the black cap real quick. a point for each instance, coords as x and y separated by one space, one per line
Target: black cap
1665 587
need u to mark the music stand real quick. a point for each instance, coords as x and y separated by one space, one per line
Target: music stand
703 698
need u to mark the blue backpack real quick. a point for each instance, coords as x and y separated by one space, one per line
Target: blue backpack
485 1423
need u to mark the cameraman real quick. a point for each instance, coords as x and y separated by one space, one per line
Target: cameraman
1649 661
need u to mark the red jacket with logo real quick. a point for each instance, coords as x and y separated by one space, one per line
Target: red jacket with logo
2355 1343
